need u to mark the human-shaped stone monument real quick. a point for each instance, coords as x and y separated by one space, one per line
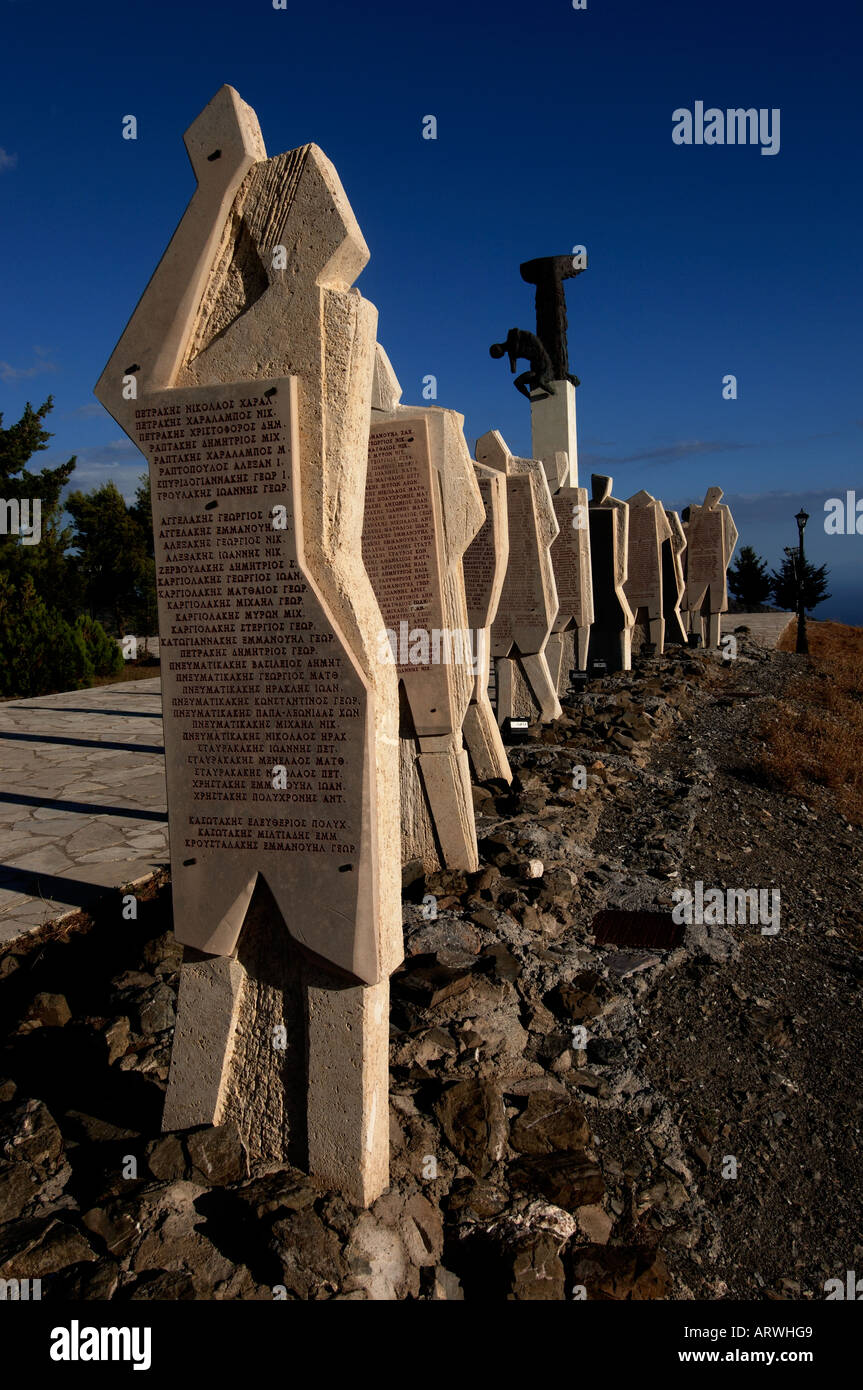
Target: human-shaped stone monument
245 375
485 563
570 556
674 580
528 603
611 633
648 552
710 540
423 509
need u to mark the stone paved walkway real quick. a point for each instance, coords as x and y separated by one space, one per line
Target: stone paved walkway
82 799
766 628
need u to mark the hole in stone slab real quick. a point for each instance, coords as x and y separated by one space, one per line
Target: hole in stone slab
345 868
135 367
272 391
217 154
210 505
619 927
187 862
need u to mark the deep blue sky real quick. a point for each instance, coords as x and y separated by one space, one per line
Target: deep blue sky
554 128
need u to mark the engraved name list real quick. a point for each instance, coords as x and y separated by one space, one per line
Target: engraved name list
261 707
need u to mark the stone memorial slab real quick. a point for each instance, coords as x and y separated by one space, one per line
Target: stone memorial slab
674 580
402 554
485 562
245 375
423 509
711 537
649 547
570 556
528 603
611 633
255 677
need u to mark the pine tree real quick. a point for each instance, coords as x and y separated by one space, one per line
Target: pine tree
749 581
112 560
784 583
39 651
46 564
141 511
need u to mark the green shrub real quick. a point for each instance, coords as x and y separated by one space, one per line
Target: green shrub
103 651
39 651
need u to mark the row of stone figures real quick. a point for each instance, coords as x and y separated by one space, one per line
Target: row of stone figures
321 549
503 560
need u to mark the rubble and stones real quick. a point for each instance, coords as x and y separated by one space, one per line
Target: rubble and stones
562 1110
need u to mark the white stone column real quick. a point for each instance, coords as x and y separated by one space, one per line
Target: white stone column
552 428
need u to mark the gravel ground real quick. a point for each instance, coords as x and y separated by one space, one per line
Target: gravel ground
759 1055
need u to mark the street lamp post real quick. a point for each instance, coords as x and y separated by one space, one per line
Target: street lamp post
802 641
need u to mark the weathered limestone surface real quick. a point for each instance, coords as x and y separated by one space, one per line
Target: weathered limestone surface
553 429
674 580
485 563
207 1009
711 537
611 634
570 555
650 556
528 603
423 510
253 296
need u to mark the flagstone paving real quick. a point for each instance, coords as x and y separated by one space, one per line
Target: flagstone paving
82 800
766 628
